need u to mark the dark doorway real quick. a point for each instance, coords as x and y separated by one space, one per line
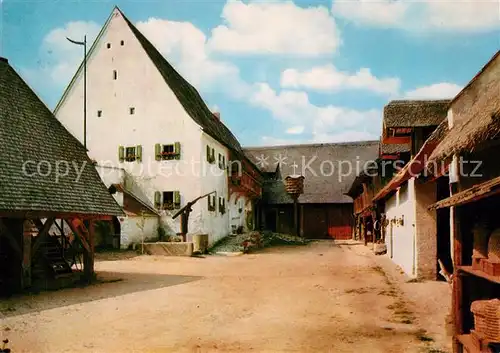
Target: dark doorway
270 220
443 227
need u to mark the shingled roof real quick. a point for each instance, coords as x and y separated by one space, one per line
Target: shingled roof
321 184
187 95
415 113
31 136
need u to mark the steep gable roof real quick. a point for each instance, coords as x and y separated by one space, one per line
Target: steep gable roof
187 95
415 113
31 136
321 184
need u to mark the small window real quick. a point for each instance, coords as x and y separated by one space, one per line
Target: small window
210 154
211 203
122 43
222 161
115 75
171 200
130 154
99 113
108 45
168 200
222 205
132 110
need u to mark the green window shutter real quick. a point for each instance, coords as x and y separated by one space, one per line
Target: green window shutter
208 154
157 199
208 203
121 154
212 156
177 199
138 153
177 150
158 152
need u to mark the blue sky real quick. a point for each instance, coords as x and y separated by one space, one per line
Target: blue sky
281 71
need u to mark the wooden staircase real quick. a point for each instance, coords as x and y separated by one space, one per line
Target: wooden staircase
49 261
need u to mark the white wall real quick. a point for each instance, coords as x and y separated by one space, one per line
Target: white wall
214 223
131 233
402 203
158 118
236 218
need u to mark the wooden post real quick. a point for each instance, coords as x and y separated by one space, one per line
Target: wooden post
88 255
302 221
295 217
456 304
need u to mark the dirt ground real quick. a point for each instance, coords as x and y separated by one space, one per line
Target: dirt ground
320 297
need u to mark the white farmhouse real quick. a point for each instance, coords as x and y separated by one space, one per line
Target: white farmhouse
146 121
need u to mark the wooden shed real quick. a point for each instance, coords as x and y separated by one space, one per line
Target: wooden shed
324 210
46 180
469 154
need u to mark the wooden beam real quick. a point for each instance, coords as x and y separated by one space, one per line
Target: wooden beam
43 214
12 239
76 225
457 281
88 255
42 233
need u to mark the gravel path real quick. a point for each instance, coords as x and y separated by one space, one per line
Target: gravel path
314 298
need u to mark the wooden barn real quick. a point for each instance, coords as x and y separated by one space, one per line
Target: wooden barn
324 211
46 181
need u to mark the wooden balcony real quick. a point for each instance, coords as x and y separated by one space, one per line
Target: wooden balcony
245 183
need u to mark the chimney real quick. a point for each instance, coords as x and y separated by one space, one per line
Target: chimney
217 115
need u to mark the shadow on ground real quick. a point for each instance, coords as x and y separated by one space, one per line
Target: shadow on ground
107 285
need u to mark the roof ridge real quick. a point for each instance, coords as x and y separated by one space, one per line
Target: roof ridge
186 93
326 144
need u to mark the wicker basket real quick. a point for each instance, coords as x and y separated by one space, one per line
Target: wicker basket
294 185
487 318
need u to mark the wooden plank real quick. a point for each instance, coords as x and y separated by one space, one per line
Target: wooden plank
42 234
483 190
457 292
469 270
467 343
75 225
88 255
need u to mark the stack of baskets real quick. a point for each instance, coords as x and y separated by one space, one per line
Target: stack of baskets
486 322
294 185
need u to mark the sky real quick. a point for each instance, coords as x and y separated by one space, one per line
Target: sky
279 72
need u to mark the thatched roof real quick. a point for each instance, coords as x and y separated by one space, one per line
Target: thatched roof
31 136
321 183
476 113
415 113
394 148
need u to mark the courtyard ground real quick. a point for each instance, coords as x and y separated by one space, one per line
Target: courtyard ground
320 297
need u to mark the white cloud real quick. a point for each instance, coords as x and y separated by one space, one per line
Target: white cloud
422 15
441 90
328 78
295 130
186 46
275 28
293 109
59 58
